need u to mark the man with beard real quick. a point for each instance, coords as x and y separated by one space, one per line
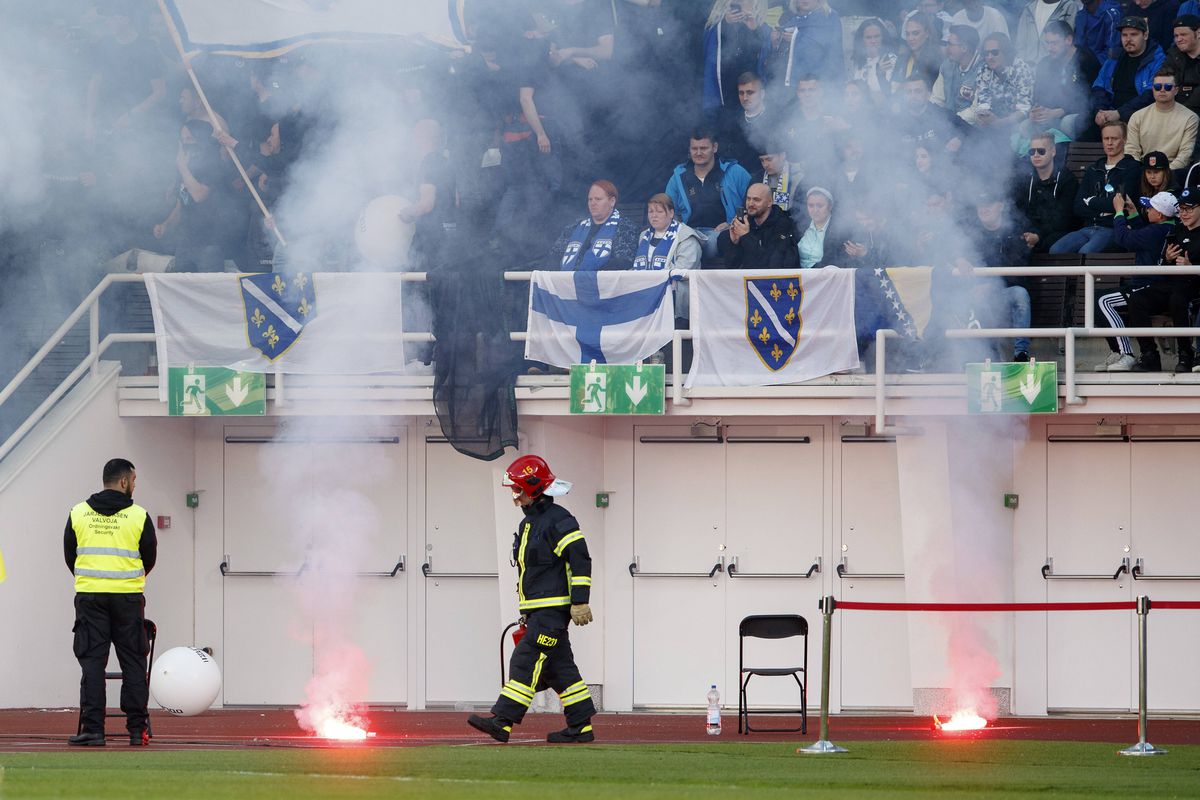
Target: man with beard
1123 85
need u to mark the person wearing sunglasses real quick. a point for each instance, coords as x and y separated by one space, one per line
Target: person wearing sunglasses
1005 94
1167 126
1123 85
1047 200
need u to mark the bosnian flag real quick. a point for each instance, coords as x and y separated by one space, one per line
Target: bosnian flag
268 28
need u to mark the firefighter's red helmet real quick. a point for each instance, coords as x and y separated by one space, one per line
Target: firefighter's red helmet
531 474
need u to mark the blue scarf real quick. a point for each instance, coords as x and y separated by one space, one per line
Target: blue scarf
650 256
601 249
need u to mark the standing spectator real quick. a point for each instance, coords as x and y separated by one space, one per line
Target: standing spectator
922 55
1184 58
821 244
1160 16
1047 201
1123 85
1096 28
707 190
1166 126
761 237
736 40
602 240
434 211
129 82
984 19
1035 16
958 78
110 545
746 127
811 125
998 243
1062 81
923 123
1005 94
1101 182
813 32
873 59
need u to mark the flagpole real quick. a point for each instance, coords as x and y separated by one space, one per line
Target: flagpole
212 116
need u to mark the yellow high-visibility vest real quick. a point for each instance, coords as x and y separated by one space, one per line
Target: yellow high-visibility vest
107 558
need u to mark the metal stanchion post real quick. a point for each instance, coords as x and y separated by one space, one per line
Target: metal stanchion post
823 745
1142 748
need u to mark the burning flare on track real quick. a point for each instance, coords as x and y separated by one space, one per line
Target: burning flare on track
965 719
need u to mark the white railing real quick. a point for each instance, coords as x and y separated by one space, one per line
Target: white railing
97 347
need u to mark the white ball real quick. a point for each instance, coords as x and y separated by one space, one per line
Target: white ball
382 237
185 681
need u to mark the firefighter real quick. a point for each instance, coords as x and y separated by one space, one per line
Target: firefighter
554 582
110 546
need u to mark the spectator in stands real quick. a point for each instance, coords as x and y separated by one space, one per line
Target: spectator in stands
583 35
958 77
736 40
847 180
873 59
1153 177
1123 85
822 243
1096 28
811 125
998 243
933 180
434 210
602 240
1005 94
875 241
1160 14
813 34
1149 245
1101 181
984 19
1184 58
707 190
129 83
1166 126
855 109
761 236
1062 81
1034 19
746 127
922 53
1047 200
781 176
667 243
923 123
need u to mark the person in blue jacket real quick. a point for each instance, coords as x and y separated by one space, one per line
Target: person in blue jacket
706 190
1123 85
813 32
1096 28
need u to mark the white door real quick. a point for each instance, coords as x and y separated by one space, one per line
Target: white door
875 671
1089 653
460 579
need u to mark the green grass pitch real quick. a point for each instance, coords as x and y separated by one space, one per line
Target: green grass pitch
946 769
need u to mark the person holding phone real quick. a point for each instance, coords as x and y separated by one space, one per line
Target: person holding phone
761 236
873 59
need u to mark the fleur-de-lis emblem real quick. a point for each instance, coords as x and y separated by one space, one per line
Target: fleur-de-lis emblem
792 290
300 281
271 336
258 319
776 353
278 286
790 316
755 318
764 336
304 308
775 293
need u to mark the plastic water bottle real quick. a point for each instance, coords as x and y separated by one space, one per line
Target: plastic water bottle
714 712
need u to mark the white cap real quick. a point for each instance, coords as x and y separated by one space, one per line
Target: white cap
1163 202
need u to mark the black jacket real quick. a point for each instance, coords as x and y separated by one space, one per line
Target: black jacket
554 568
768 246
109 502
1001 248
1187 75
1048 206
1093 203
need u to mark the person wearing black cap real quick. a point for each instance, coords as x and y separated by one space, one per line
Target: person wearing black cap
998 242
1155 176
1159 14
1184 58
1123 85
1175 294
1166 126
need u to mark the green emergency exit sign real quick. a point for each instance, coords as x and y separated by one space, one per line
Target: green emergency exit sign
1012 388
618 388
215 391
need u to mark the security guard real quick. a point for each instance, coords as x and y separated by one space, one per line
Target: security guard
110 546
554 583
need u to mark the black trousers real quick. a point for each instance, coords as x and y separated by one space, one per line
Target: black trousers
1170 296
112 620
543 659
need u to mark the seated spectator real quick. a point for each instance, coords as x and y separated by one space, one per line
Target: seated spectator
1160 14
1149 244
745 128
808 130
875 241
1101 181
763 237
986 20
821 244
1123 85
1062 82
999 243
1047 200
706 190
1096 28
922 55
602 240
1184 58
855 109
1166 126
1005 94
667 243
958 78
813 32
1183 249
780 175
873 59
923 123
1153 177
936 11
935 183
736 40
847 181
1035 17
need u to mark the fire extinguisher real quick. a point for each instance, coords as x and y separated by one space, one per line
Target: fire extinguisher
517 636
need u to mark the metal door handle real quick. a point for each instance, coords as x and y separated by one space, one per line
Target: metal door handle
842 573
635 571
1048 573
427 571
733 571
1137 574
229 573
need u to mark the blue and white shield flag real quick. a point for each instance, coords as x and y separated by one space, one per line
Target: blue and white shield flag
761 327
610 317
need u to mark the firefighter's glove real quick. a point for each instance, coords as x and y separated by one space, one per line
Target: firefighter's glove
581 613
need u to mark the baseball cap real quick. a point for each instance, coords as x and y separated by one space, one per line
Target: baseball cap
1156 160
1163 202
1186 21
1134 22
1190 196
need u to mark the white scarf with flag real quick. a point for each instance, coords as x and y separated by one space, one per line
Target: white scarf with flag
610 317
306 323
764 327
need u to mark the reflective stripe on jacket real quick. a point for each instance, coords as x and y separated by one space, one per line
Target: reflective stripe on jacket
107 557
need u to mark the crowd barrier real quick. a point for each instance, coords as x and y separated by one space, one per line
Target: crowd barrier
1142 606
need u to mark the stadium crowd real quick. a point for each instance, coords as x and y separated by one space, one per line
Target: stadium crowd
673 134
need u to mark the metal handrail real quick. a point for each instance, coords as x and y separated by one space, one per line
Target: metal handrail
226 572
844 574
733 571
1136 573
427 571
1048 573
635 571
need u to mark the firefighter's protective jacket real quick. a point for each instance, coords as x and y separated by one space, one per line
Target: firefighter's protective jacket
554 568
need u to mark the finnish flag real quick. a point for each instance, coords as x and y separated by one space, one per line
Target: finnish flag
610 317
